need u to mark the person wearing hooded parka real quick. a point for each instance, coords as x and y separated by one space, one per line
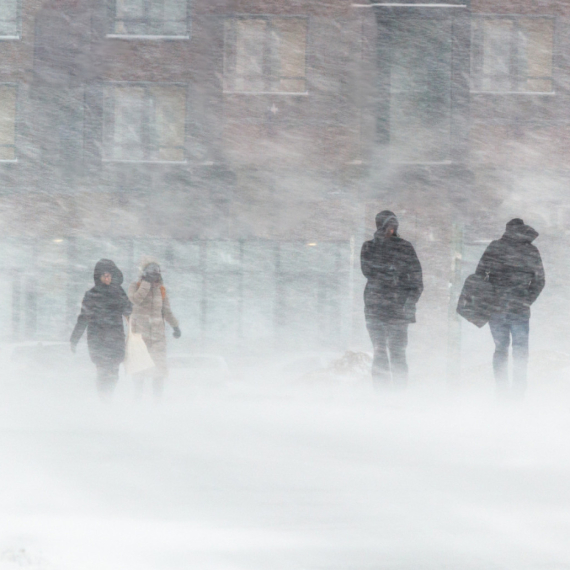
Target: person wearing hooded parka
394 285
513 265
151 308
102 312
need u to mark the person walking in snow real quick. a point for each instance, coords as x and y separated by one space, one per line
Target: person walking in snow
151 308
102 312
394 286
513 265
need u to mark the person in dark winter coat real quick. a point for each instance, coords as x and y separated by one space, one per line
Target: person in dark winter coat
394 286
102 312
513 266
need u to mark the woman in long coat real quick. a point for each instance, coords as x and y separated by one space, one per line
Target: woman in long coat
151 308
102 312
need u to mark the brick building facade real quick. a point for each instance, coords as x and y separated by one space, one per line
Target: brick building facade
249 143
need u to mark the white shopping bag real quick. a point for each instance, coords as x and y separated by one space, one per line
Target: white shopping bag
137 358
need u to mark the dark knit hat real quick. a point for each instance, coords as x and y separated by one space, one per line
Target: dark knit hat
515 222
386 218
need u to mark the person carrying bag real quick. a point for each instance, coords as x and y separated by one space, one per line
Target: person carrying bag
137 357
151 310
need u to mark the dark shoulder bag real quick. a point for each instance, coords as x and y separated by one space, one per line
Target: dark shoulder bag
477 300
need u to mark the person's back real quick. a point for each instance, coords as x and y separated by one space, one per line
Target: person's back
514 267
392 271
394 285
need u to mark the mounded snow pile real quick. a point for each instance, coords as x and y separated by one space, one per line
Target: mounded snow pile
351 366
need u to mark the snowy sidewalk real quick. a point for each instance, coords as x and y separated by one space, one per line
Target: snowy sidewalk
291 478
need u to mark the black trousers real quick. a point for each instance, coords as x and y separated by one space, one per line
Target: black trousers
107 377
389 340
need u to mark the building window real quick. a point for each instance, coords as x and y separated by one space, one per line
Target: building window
512 54
420 90
150 17
265 54
8 122
9 18
145 122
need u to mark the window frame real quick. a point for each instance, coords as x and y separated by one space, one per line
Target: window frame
16 87
112 20
516 79
18 21
230 75
147 146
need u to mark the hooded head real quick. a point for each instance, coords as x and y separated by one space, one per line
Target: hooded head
517 230
150 267
107 266
384 220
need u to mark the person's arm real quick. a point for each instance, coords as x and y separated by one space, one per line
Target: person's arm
486 262
415 276
538 281
82 321
366 260
127 305
167 312
138 293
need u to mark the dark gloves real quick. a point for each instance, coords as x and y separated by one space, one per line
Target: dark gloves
151 277
152 273
73 348
177 332
410 311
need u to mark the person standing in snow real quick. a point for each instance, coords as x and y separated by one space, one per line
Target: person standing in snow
151 308
514 267
394 286
102 312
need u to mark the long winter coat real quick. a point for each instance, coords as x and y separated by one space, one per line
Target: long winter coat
151 308
102 312
394 275
514 267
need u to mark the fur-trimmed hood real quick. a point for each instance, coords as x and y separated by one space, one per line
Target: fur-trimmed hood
145 261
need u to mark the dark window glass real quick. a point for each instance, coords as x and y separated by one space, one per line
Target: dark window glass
420 90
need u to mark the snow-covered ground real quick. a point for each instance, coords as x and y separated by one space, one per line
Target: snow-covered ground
260 473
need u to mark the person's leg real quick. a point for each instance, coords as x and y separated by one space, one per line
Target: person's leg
501 331
397 344
107 378
138 381
520 332
159 372
380 365
158 386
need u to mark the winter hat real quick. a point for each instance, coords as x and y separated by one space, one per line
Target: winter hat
145 261
386 218
515 222
107 266
152 268
518 230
